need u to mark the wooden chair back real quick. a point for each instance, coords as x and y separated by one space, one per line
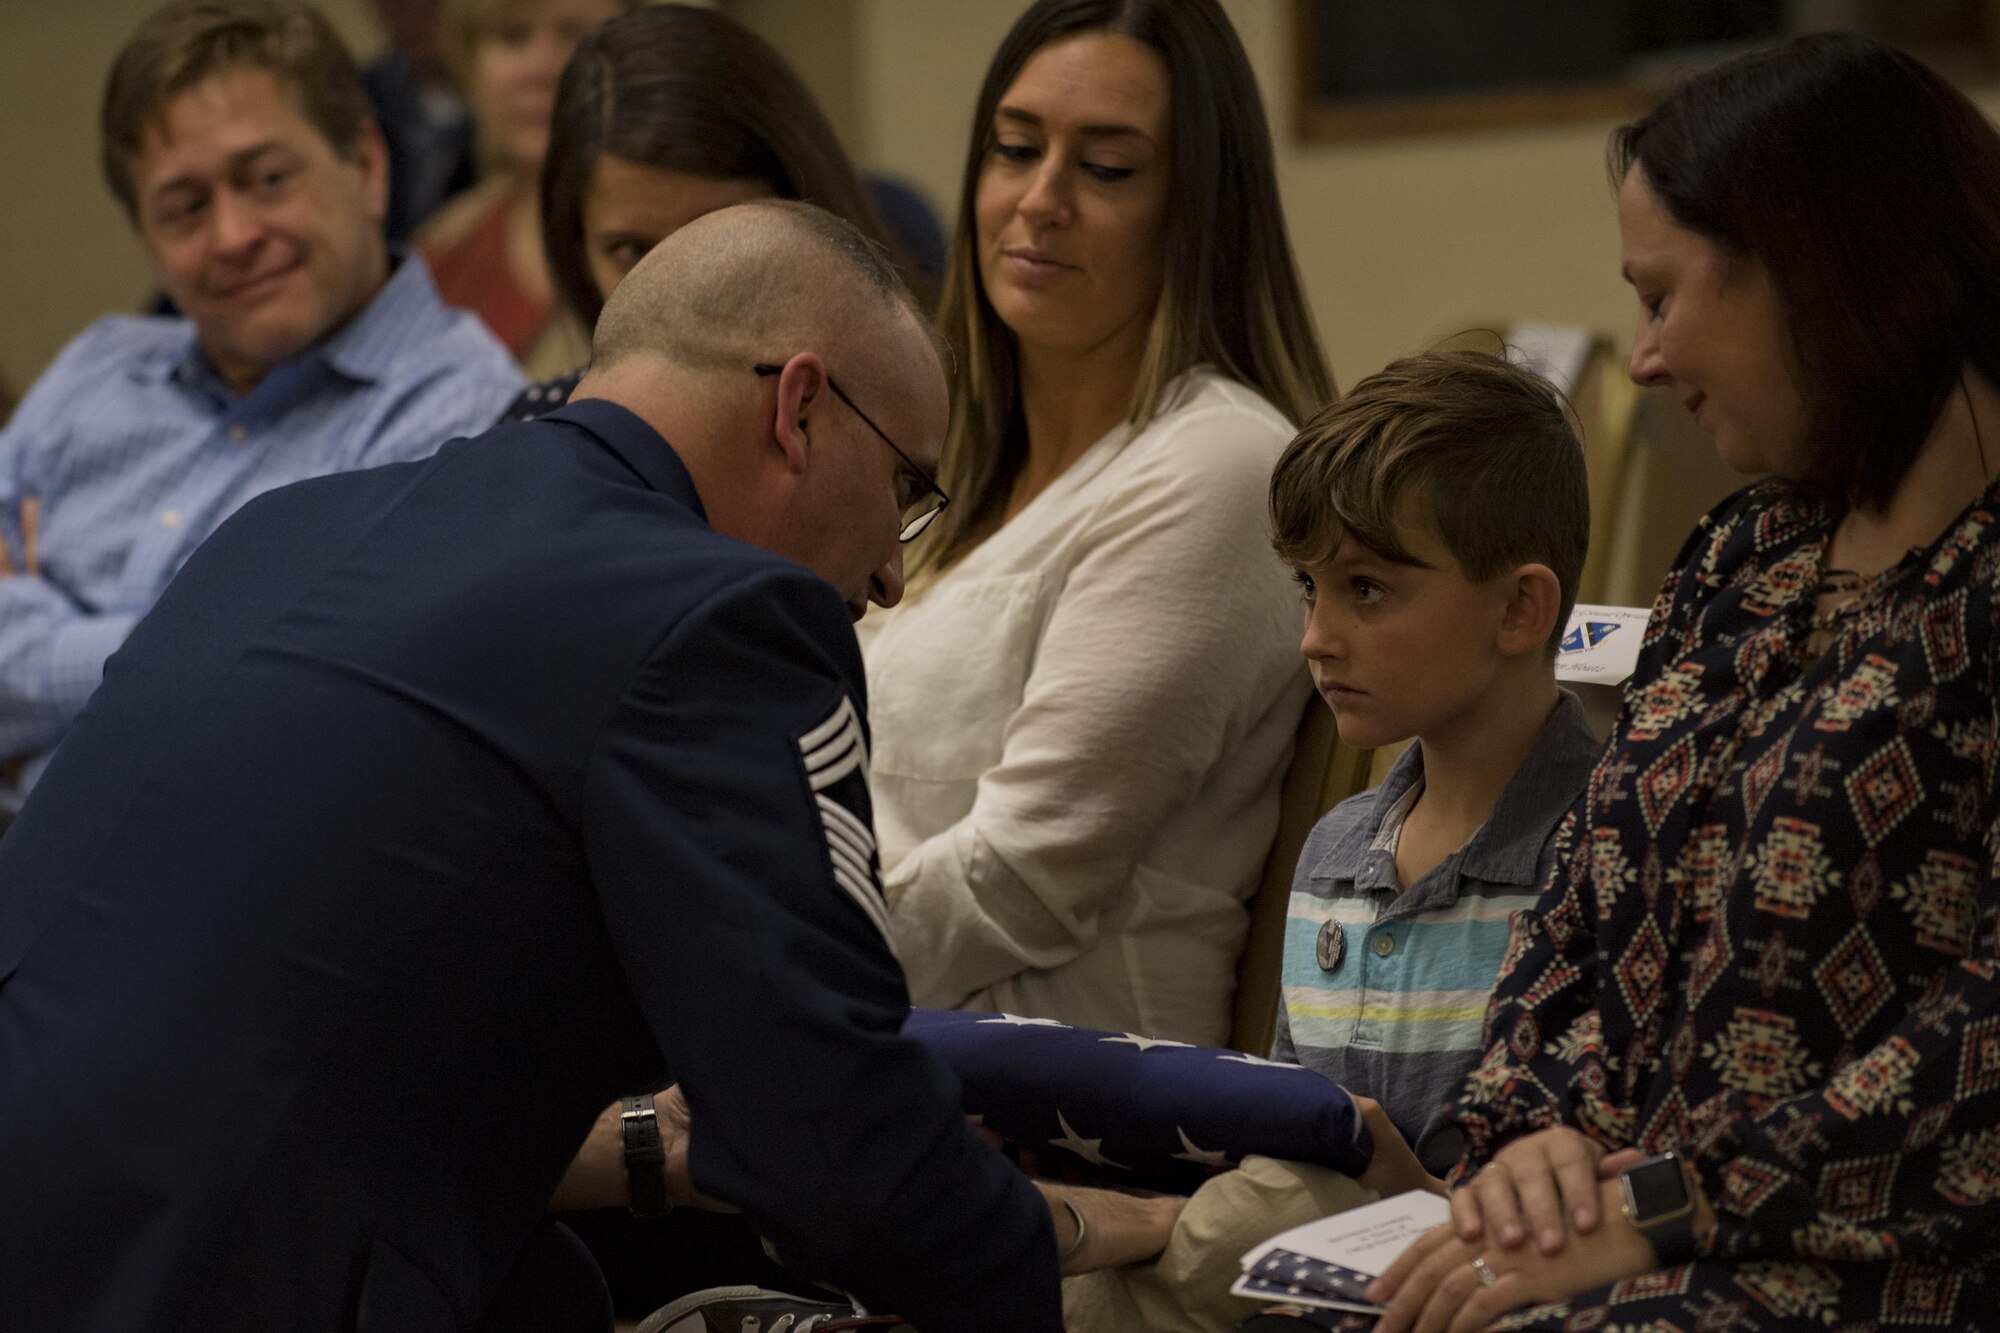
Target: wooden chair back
1324 772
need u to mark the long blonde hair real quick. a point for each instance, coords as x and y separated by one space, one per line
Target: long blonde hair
1231 296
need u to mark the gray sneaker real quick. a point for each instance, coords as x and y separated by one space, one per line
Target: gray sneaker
760 1310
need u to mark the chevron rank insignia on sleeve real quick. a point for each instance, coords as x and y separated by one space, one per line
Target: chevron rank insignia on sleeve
835 754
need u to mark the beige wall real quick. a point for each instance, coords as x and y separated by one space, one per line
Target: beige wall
819 39
1400 240
66 254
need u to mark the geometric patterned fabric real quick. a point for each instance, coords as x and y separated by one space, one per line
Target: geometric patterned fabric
1772 936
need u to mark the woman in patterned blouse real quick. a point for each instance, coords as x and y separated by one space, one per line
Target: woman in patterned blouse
1772 940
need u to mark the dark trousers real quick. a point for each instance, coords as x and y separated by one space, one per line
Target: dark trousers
554 1287
648 1262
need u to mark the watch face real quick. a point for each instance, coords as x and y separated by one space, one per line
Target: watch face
1656 1188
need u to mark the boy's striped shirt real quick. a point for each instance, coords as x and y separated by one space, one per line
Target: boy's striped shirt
1398 1017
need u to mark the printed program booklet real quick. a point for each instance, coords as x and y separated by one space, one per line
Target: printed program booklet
1329 1263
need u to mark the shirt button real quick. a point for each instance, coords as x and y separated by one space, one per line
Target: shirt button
238 433
1384 945
170 519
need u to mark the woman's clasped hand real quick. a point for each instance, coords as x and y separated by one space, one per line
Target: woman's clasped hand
1542 1222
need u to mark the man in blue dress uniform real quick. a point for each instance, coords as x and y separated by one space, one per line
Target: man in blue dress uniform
437 806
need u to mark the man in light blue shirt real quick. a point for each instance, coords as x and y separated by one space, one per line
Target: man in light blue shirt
236 136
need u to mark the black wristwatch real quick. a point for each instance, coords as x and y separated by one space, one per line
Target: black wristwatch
1661 1204
645 1158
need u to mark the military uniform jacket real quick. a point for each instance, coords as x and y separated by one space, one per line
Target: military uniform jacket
433 808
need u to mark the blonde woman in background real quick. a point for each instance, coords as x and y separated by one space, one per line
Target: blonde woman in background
484 247
1084 707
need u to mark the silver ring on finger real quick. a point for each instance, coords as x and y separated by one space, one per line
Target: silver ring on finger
1487 1277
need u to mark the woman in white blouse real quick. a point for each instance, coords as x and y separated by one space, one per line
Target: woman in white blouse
1084 707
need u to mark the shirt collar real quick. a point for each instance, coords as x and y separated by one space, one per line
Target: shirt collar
1389 823
177 356
396 318
635 444
1358 842
1507 849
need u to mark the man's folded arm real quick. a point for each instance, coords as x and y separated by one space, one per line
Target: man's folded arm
52 649
52 655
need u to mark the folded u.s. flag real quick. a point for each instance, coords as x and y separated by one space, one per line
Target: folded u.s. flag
1160 1115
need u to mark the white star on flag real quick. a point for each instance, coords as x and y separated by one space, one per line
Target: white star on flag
1082 1147
1198 1155
1143 1043
1013 1020
1258 1060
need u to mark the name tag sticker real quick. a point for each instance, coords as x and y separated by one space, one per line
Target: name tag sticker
1601 646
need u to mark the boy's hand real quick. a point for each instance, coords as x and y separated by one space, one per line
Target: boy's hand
1394 1169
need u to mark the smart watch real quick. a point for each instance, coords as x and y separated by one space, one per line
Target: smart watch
1661 1206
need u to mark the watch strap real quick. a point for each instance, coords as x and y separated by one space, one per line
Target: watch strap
645 1157
1671 1236
1672 1240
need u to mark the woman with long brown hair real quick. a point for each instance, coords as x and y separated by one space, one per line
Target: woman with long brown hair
661 116
1083 709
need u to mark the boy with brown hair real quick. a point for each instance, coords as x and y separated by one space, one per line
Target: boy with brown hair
1437 519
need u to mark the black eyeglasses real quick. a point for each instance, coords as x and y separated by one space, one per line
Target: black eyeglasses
929 499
